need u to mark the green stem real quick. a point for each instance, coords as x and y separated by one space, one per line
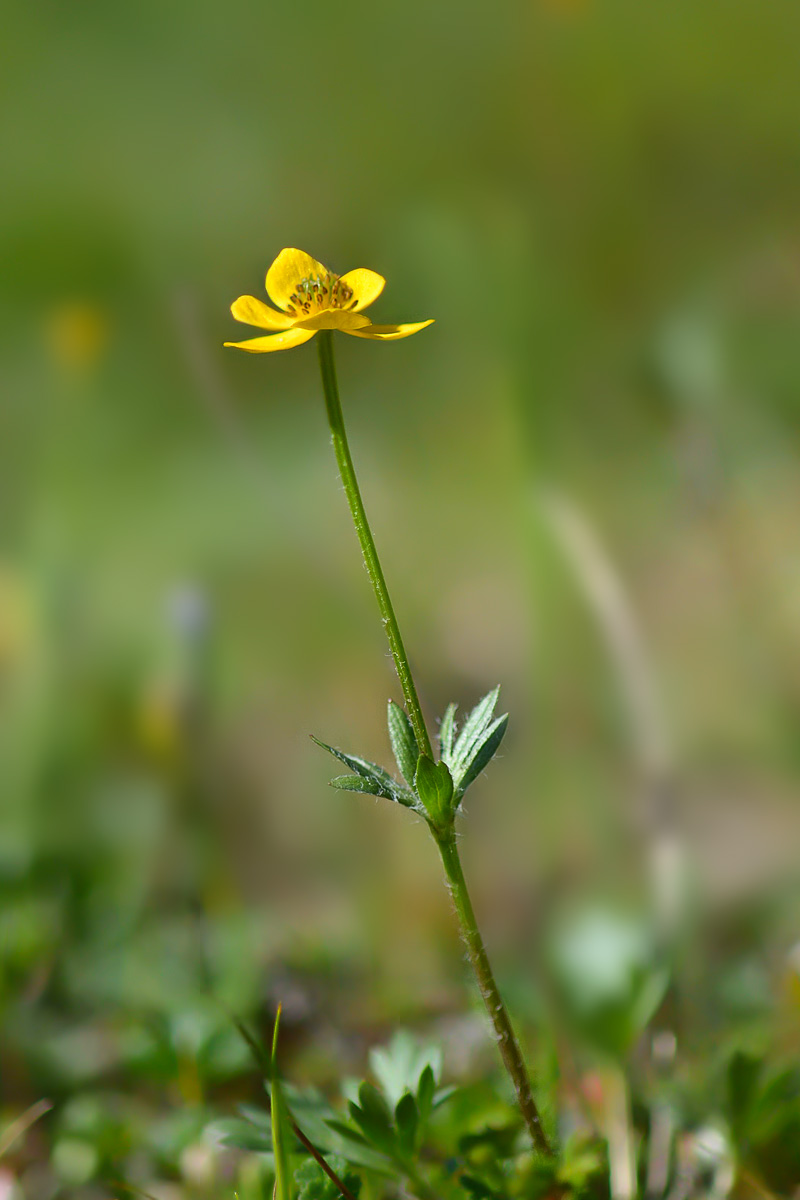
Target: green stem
445 838
374 570
504 1034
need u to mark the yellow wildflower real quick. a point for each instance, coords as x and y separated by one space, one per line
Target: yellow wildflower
309 297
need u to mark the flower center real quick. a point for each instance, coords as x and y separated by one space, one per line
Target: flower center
318 292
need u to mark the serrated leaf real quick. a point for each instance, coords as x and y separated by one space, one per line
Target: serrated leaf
434 786
474 727
447 733
485 749
399 1065
372 1116
406 1118
387 786
404 743
356 783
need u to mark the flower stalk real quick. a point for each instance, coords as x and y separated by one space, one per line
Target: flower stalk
341 448
443 827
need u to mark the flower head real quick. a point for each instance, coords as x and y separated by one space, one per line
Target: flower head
309 297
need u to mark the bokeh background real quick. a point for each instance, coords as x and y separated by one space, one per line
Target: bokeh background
583 481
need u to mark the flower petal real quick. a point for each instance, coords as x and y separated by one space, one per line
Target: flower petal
335 318
290 268
276 341
250 311
389 333
367 286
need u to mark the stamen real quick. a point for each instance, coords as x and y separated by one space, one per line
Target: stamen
317 293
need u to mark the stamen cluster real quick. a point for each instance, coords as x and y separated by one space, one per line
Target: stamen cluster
319 292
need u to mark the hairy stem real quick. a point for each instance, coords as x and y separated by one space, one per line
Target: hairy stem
498 1014
445 838
374 569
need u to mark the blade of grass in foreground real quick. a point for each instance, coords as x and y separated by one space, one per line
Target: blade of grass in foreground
281 1122
269 1067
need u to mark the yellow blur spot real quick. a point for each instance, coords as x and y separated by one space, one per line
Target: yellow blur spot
160 721
77 334
16 617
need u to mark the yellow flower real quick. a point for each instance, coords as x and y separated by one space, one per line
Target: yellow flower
309 297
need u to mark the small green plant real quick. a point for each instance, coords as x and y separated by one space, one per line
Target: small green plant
401 1127
312 301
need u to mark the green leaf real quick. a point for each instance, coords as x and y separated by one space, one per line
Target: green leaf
243 1135
474 728
260 1117
447 733
373 1103
282 1133
404 744
361 766
425 1091
352 1135
309 1108
353 1146
434 786
484 751
406 1118
356 783
319 1123
610 980
443 1095
387 787
399 1065
372 1116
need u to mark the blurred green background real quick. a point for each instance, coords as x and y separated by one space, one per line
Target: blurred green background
598 202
